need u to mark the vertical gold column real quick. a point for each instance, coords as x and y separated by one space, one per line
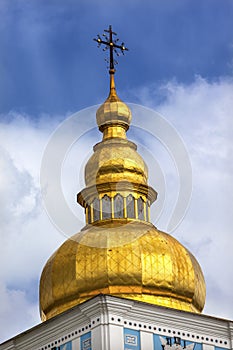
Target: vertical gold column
136 208
112 207
92 214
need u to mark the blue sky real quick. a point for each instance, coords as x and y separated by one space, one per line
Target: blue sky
180 63
48 53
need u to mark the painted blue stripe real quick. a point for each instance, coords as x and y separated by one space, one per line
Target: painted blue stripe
131 339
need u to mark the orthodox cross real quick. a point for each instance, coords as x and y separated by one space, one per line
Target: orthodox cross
112 46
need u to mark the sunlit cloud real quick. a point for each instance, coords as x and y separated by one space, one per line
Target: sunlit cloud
201 112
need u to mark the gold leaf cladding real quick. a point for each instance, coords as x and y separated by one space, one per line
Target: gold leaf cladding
151 266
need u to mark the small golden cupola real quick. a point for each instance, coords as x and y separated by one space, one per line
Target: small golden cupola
119 251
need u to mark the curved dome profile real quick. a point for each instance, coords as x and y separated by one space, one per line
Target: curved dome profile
115 160
133 260
113 110
119 251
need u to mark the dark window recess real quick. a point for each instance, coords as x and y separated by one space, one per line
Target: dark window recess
118 206
96 209
130 206
140 209
147 211
106 207
89 214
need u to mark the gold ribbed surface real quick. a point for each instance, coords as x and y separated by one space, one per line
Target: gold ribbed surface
119 252
115 160
134 261
113 110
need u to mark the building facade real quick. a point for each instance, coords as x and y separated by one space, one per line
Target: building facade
110 323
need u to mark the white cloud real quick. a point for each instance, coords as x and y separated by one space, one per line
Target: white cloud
202 114
27 235
17 312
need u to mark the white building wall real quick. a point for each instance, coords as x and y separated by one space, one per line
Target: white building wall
116 338
97 338
76 344
146 341
207 347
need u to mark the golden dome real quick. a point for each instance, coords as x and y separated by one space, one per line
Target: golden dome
131 260
115 160
119 252
113 110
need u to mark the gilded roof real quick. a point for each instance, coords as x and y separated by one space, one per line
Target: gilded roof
119 252
133 260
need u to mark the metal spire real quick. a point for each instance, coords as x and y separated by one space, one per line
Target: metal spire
112 46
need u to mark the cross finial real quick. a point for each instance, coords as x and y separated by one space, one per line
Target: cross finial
112 46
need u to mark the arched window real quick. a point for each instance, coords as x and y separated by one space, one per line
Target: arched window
106 207
96 209
140 208
130 206
118 206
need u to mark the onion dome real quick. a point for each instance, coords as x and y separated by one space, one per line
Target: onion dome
134 261
115 159
119 251
113 111
115 165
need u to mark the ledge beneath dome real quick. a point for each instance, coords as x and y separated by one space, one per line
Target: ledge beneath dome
87 195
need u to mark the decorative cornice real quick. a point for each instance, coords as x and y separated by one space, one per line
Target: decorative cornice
105 310
86 196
